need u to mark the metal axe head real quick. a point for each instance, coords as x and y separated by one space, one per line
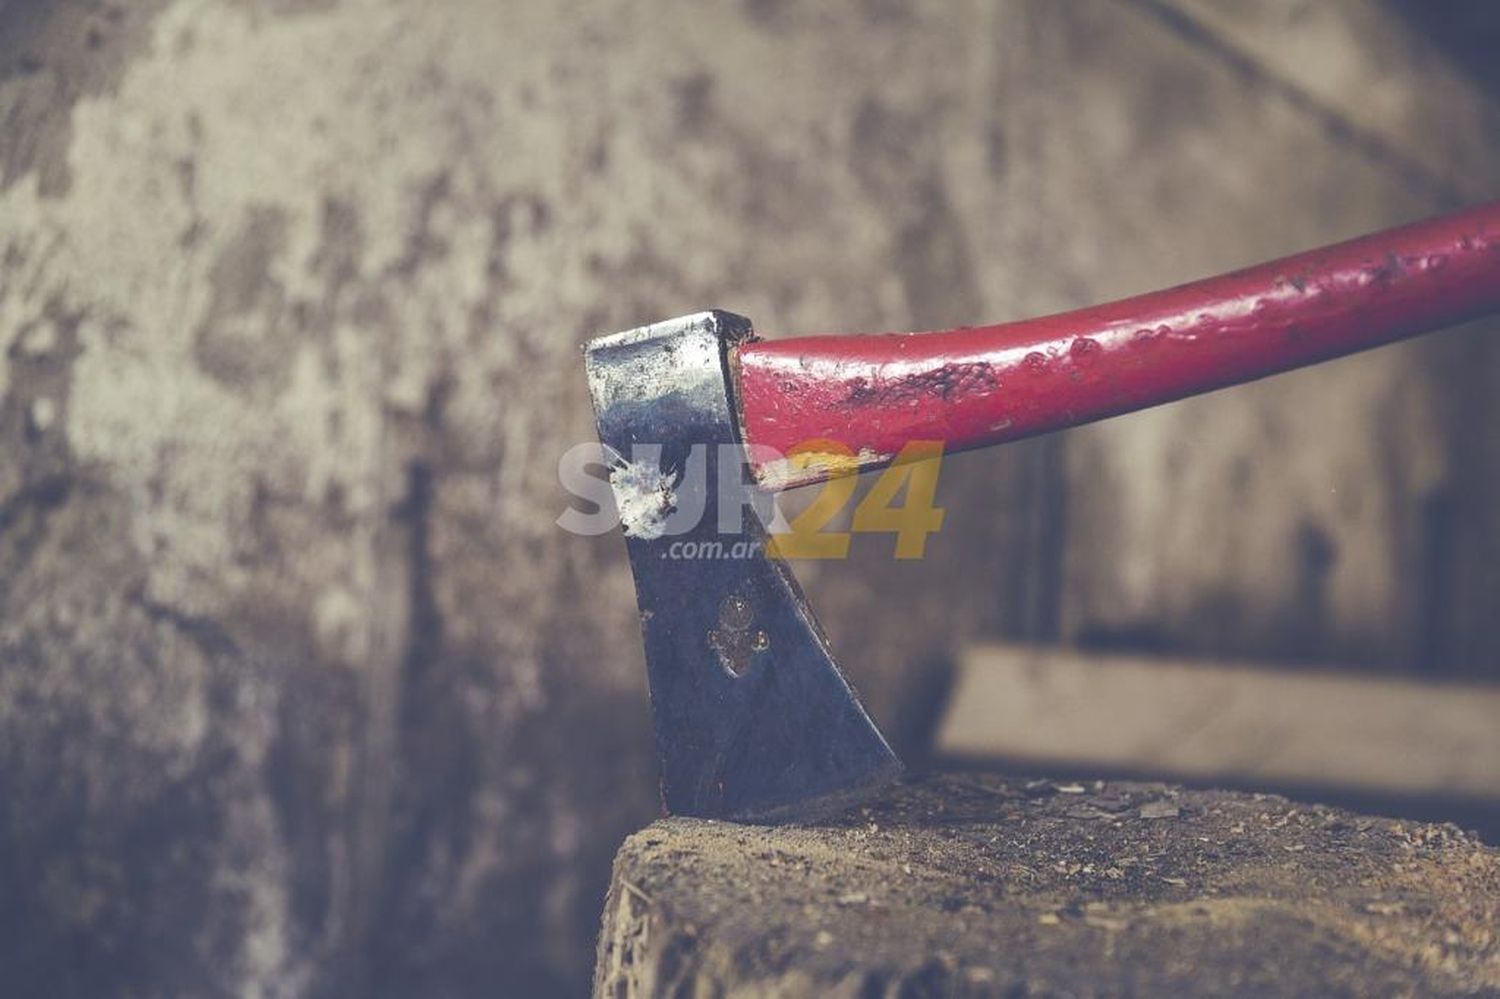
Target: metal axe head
753 720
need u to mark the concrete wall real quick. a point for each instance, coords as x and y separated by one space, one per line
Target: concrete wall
303 691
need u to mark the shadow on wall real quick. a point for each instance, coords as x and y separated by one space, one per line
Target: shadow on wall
1467 30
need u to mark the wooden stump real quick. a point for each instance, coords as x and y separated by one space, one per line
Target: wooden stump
977 885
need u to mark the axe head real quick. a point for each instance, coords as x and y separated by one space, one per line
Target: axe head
754 722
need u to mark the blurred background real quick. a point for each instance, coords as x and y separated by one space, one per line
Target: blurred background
302 691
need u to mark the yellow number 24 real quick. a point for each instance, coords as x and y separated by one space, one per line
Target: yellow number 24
915 469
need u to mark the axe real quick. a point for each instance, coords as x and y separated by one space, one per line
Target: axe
701 421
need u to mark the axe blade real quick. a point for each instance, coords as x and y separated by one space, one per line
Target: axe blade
753 720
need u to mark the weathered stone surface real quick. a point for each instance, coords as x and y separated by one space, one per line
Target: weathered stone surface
304 691
977 885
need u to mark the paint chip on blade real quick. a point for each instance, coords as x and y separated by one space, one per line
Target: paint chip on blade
645 496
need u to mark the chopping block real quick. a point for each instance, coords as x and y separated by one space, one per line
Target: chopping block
972 884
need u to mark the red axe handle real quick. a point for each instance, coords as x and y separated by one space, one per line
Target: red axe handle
982 385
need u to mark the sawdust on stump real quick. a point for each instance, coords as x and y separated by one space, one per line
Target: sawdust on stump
978 885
